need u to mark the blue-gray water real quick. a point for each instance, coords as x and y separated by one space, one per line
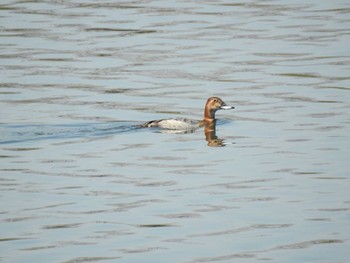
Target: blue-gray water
80 182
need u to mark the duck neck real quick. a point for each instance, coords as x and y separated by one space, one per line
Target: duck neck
209 116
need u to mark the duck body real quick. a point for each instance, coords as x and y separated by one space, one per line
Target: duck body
174 124
212 105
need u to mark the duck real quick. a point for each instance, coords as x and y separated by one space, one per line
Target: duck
212 105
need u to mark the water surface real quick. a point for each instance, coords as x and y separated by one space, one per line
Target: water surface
81 183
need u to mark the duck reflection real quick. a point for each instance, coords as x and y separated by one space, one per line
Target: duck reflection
210 136
209 132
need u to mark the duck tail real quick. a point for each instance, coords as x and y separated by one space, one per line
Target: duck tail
154 123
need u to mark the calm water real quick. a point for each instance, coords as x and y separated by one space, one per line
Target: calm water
81 183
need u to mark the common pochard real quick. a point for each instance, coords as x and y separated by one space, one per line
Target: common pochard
213 104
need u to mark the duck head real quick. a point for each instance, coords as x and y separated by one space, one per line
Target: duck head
214 104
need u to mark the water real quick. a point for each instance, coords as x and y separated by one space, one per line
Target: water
80 182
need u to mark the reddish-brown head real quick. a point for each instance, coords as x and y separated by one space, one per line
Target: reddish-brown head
213 104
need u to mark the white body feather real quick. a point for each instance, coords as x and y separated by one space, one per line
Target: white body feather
178 124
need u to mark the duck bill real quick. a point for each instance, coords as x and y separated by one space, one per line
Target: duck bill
226 107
